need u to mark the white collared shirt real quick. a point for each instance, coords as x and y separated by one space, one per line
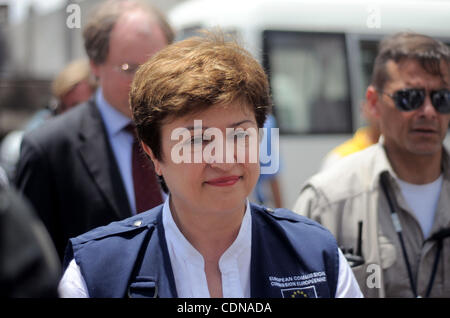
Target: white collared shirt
188 266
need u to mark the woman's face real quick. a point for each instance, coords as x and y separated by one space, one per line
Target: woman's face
212 174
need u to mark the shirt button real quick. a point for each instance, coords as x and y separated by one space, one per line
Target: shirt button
137 223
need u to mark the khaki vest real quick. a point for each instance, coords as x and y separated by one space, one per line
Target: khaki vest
350 192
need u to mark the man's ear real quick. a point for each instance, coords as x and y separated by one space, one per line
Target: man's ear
372 102
155 161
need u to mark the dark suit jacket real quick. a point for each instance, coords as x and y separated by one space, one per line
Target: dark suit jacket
29 266
69 173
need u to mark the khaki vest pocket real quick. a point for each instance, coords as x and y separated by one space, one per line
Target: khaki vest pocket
388 252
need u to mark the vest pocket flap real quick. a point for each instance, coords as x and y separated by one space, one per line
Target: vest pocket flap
143 287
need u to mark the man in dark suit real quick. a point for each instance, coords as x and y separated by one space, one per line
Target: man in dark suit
80 170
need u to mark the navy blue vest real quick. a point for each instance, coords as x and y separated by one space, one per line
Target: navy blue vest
292 256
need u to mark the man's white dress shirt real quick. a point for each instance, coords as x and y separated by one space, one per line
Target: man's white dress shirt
121 143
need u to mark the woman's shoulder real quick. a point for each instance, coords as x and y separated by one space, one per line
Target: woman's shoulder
106 244
144 220
290 220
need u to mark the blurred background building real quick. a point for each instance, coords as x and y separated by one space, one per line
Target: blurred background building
37 39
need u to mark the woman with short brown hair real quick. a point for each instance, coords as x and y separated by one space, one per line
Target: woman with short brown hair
198 106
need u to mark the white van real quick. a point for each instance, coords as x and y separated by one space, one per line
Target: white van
319 56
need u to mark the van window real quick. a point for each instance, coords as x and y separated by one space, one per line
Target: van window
309 80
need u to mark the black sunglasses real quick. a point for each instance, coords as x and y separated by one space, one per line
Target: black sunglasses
412 98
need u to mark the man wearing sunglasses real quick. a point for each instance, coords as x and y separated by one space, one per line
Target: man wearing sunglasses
389 205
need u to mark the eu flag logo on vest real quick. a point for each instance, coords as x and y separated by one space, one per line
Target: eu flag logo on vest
305 292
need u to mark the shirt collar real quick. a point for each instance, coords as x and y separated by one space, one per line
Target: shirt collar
241 244
114 120
380 163
176 240
184 248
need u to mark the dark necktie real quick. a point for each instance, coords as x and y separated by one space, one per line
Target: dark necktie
147 192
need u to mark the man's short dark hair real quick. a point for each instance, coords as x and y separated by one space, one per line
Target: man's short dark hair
427 51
